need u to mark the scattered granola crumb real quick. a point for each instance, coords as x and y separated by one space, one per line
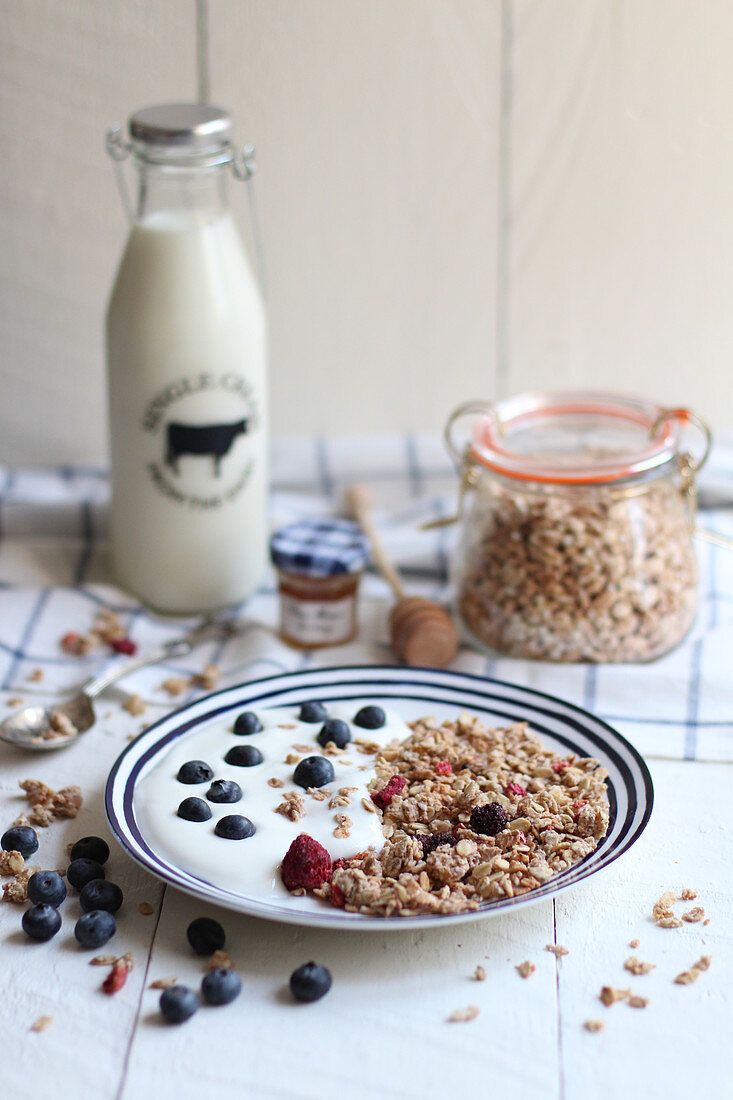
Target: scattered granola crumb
687 977
480 974
286 726
464 1015
36 676
16 891
68 802
146 908
292 806
43 1023
275 782
634 943
556 949
174 685
635 1001
525 969
344 825
292 758
692 916
135 705
220 960
16 701
706 921
669 922
41 816
688 895
594 1025
163 983
37 792
609 995
60 723
11 863
636 966
662 909
103 960
21 819
208 678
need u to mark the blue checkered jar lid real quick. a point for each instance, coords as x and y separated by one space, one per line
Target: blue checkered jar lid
320 547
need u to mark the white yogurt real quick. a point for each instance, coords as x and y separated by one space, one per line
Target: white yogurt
251 866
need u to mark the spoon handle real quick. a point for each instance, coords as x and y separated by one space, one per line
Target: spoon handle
177 647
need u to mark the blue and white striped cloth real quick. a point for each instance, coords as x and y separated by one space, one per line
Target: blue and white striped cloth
53 577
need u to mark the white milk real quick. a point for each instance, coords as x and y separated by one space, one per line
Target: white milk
187 408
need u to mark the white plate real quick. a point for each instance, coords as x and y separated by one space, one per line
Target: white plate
412 693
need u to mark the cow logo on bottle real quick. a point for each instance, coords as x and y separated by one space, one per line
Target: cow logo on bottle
203 428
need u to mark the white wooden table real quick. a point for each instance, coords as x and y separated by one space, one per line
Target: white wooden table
383 1030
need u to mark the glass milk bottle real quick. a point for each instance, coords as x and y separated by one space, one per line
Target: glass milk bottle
186 358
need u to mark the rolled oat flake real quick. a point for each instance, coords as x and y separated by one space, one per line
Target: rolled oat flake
577 544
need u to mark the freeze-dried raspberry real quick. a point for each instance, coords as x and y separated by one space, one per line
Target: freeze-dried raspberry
444 767
123 645
579 804
559 766
395 786
306 863
488 819
431 841
515 788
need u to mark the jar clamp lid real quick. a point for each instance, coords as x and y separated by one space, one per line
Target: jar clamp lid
320 548
182 135
569 437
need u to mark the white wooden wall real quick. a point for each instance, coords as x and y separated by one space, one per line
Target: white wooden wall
458 198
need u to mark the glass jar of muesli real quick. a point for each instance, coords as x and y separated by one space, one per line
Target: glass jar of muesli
578 541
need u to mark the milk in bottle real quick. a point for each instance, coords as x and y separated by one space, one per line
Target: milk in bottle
186 361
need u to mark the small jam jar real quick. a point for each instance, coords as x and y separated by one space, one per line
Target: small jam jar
319 564
578 542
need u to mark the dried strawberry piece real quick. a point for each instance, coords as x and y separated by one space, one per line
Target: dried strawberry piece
306 863
337 896
515 788
579 803
70 642
520 837
444 767
123 645
395 786
559 766
116 978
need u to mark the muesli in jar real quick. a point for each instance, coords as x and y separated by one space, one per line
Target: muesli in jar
578 542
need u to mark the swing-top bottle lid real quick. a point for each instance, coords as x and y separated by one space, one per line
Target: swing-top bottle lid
181 130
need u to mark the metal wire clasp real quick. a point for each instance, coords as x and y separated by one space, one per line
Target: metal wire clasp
463 458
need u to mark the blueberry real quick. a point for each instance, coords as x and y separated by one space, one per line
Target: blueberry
95 928
334 730
234 827
194 809
178 1004
99 894
314 771
42 922
21 838
82 871
313 712
244 756
206 935
194 771
246 723
46 888
310 982
370 718
224 790
91 847
220 986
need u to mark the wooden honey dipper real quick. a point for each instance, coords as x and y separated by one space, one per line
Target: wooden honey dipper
421 631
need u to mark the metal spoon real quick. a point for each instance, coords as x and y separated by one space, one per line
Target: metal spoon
31 727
